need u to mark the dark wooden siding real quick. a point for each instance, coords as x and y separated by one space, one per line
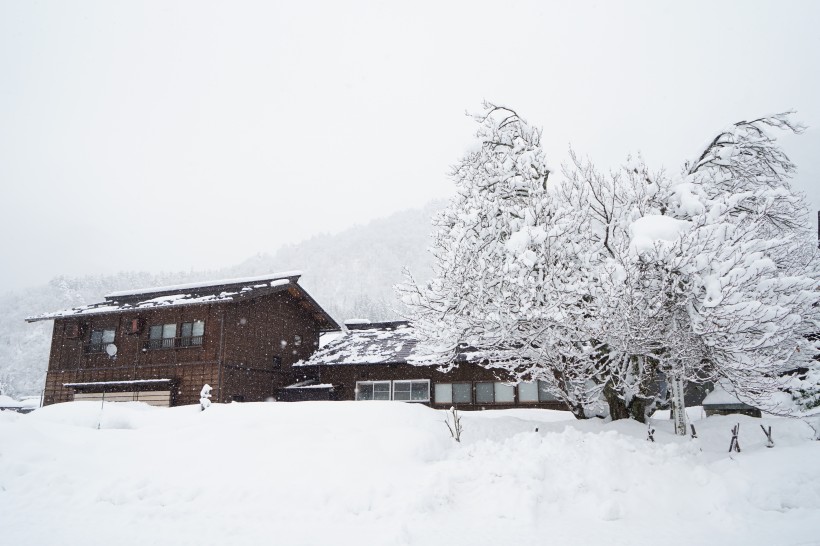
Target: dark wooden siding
237 357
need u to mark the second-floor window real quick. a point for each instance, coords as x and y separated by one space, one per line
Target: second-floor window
162 336
166 336
191 333
99 340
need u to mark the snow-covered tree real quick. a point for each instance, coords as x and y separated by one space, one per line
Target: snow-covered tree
708 276
629 297
507 284
606 282
751 259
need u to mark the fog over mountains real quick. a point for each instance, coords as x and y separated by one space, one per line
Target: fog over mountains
351 274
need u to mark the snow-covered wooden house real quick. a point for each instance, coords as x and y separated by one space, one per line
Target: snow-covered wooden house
160 345
371 362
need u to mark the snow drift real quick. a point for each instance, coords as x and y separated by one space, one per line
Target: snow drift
388 473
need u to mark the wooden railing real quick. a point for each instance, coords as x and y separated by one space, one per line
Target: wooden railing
174 342
95 347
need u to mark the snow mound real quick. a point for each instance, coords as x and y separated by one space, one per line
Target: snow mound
388 473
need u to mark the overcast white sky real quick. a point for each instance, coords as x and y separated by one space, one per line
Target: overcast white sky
177 135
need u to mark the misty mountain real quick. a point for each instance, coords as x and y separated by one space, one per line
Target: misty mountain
351 274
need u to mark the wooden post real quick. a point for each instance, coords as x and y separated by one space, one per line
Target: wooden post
769 441
734 444
102 405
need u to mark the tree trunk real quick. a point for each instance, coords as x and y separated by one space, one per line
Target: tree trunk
617 407
637 409
577 410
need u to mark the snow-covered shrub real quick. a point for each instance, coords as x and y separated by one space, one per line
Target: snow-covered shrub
205 397
453 421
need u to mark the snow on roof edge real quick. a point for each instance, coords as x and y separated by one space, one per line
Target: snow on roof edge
103 308
204 284
112 383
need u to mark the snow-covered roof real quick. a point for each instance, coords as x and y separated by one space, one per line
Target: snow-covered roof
284 275
356 321
720 397
316 386
367 343
117 307
192 294
378 343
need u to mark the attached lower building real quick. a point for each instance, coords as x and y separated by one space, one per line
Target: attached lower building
371 362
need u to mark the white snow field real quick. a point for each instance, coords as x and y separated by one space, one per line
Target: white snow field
387 473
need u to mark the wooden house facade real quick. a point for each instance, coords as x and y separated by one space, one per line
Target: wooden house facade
372 362
161 345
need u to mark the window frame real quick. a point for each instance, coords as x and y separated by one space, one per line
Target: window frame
542 392
492 392
452 401
93 347
163 341
391 393
447 386
542 396
495 386
178 341
191 340
373 383
411 382
537 392
502 384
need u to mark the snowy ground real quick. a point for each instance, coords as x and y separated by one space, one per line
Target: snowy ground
386 473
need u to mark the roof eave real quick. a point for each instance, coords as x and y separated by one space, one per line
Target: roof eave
387 363
330 324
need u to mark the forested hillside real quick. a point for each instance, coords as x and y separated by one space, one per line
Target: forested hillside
351 274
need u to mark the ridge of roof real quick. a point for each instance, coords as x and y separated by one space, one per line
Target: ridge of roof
384 325
292 276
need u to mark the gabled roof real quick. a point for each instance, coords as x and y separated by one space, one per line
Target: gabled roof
225 290
367 343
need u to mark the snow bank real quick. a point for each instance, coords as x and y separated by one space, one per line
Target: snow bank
387 473
28 403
